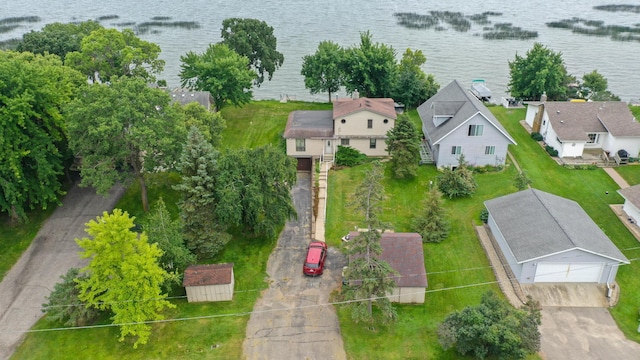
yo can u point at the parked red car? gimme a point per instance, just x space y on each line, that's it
316 254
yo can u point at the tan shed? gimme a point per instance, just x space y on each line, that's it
213 282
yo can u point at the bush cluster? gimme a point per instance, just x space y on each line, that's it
348 156
551 150
536 136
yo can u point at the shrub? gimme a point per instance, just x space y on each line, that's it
536 136
348 156
484 216
551 150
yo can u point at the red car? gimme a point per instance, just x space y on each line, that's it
316 254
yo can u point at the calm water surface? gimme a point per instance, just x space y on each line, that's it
301 25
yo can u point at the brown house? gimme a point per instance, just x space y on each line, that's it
214 282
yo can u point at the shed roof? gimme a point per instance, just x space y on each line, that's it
381 106
305 124
209 274
404 253
459 105
536 224
632 195
184 97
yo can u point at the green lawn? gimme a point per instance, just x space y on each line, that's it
631 173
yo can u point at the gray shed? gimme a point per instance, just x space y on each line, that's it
549 239
213 282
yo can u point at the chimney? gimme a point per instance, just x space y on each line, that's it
355 95
543 98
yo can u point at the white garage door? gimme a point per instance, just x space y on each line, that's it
573 272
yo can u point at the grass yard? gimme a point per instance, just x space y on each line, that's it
631 173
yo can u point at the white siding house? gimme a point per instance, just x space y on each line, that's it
631 205
213 282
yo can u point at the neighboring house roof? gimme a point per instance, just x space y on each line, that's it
212 274
347 106
404 253
632 195
455 105
305 124
573 121
184 97
536 224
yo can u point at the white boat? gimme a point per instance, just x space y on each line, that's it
480 90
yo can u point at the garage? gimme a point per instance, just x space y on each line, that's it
568 272
304 164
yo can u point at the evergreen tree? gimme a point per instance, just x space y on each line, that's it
369 279
432 224
521 180
202 233
64 303
403 144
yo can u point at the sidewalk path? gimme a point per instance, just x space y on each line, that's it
616 177
50 255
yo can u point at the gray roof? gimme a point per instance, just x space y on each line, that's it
536 224
306 124
632 195
184 97
572 121
460 105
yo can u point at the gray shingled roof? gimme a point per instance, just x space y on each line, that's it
306 124
537 224
185 96
456 101
632 195
404 253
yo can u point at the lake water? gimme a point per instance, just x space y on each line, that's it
300 25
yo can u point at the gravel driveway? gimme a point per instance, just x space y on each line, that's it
51 254
289 320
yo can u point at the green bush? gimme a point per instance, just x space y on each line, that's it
551 150
348 156
484 216
536 136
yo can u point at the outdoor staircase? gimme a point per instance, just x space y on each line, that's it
425 154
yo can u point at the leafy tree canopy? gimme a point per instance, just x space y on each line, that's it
541 71
108 53
322 71
220 71
33 144
254 39
123 130
459 182
370 68
57 38
412 85
403 144
595 87
209 123
123 274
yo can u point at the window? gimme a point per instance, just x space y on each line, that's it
344 142
300 146
475 130
372 143
593 138
456 150
343 121
489 150
370 124
386 121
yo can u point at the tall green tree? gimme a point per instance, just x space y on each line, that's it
254 190
370 68
202 233
220 71
457 182
541 71
412 85
122 131
369 279
211 124
595 87
57 38
33 144
108 53
322 71
493 329
123 275
64 304
403 144
431 223
254 39
161 229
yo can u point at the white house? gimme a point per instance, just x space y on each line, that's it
631 205
573 127
213 282
547 238
455 122
361 123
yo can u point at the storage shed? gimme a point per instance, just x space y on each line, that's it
212 282
549 239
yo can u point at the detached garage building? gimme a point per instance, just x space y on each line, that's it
549 239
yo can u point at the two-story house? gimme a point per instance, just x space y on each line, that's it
361 123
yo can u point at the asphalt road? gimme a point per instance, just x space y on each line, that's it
289 320
50 255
